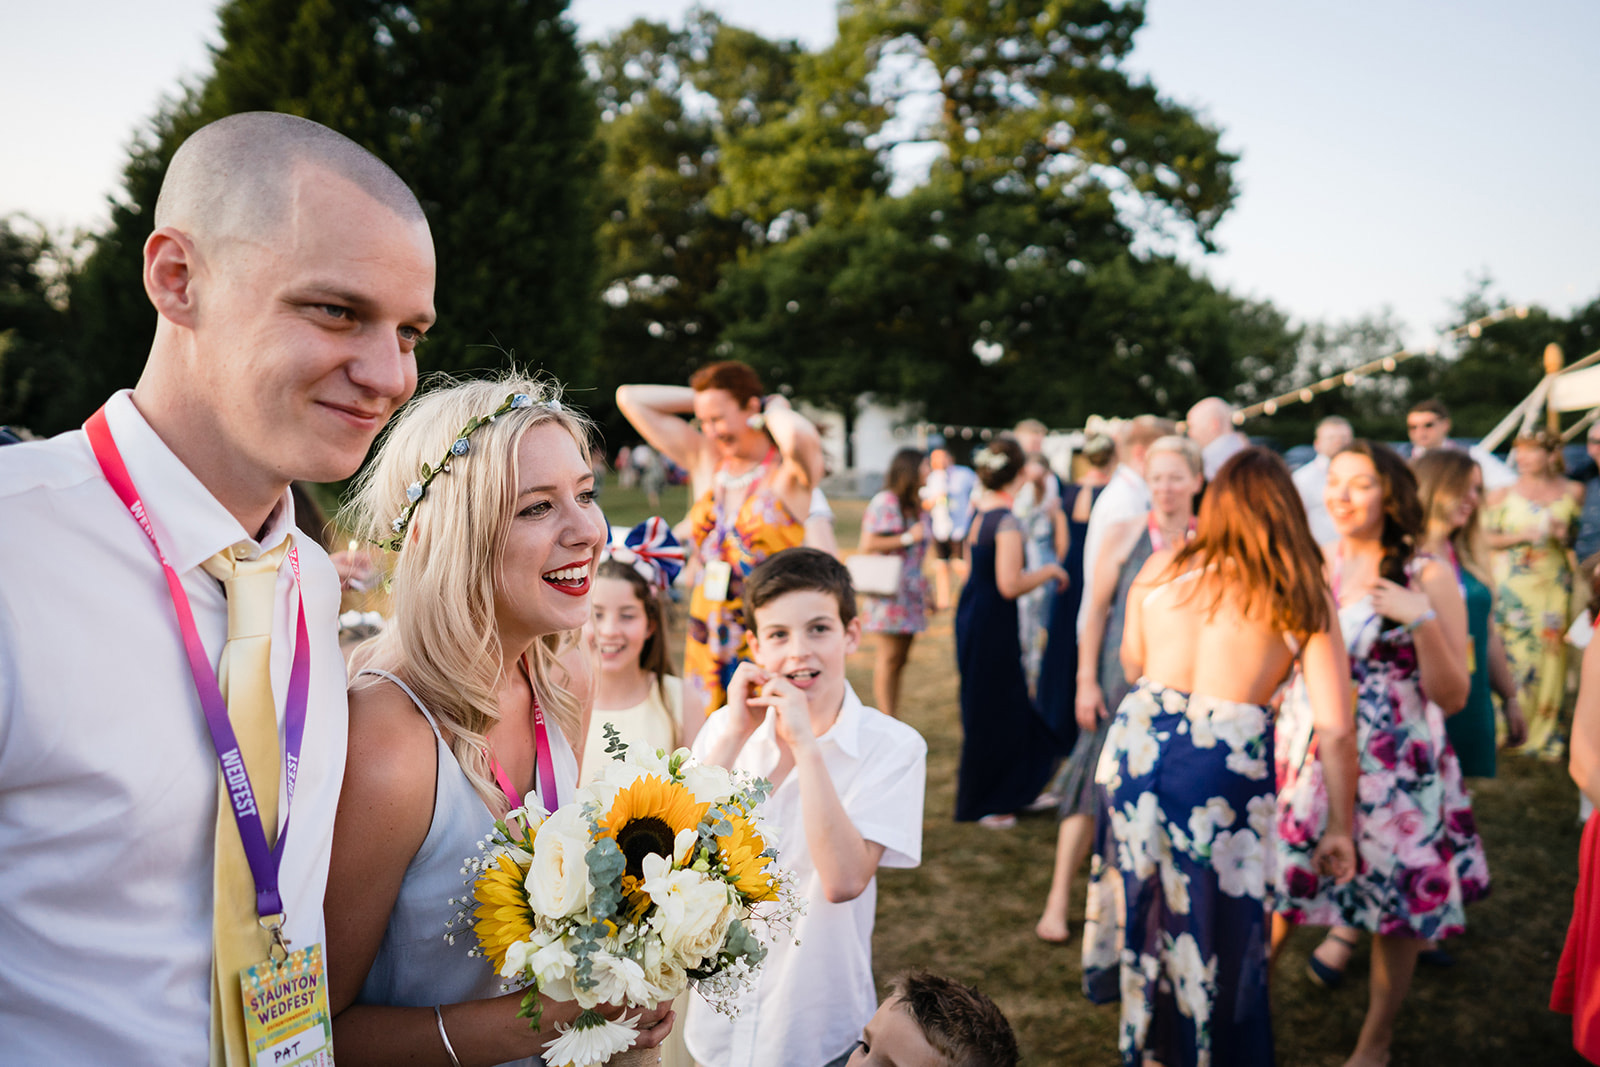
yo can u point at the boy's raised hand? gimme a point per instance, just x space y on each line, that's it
747 681
793 725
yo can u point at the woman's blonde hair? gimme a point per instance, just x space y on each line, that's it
1182 447
443 638
1444 478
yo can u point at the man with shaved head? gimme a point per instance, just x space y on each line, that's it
147 772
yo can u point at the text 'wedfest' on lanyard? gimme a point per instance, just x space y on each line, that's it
264 861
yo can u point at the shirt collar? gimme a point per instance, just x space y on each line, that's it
846 729
191 525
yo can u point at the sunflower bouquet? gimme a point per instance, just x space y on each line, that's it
648 881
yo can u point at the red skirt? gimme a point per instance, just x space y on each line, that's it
1577 988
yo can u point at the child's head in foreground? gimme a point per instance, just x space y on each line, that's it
802 613
929 1021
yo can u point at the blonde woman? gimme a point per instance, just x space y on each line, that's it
464 708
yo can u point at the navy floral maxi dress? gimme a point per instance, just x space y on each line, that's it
1179 893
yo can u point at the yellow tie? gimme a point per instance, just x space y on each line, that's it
245 676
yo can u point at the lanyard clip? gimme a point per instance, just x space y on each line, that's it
273 925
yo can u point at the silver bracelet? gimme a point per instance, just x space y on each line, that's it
448 1048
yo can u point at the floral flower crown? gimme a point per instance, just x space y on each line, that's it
458 448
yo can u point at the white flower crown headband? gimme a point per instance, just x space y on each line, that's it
458 448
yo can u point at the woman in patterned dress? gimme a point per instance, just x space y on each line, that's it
760 459
1532 523
1213 629
1405 626
894 524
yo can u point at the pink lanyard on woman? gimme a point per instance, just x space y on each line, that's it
1158 540
545 766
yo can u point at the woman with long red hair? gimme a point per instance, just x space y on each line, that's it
1214 627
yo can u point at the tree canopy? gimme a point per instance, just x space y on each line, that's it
971 208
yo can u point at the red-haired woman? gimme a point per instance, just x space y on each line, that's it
1405 627
760 459
1213 628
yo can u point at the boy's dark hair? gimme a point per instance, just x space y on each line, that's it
799 569
961 1024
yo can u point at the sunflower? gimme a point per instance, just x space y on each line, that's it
504 917
741 851
644 819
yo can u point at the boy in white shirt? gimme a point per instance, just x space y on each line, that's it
847 798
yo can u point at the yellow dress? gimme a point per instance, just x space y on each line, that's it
656 722
716 642
1533 608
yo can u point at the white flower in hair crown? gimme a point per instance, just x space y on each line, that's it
458 448
991 459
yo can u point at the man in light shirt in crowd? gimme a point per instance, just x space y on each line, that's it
1210 425
1333 436
1428 427
292 275
1126 496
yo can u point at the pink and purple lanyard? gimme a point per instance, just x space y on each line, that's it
264 861
545 781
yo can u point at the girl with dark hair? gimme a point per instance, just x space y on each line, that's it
894 524
1213 628
1006 751
754 460
1405 627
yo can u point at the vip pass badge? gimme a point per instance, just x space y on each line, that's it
286 1017
458 448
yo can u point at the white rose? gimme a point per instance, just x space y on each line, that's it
1195 978
558 880
693 912
709 784
663 972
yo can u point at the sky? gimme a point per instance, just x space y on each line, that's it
1390 152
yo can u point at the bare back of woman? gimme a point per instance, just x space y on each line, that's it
1190 633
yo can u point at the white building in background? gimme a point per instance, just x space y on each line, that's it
881 430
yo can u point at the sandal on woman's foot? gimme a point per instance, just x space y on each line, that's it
1323 974
998 822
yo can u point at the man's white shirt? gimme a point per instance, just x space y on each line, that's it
1125 497
1309 481
108 778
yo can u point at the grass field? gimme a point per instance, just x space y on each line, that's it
969 910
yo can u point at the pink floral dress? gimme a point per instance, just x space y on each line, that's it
1419 858
906 612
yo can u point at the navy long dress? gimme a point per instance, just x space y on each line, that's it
1058 676
1006 751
